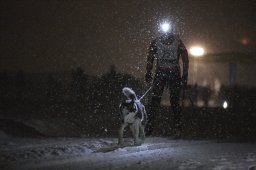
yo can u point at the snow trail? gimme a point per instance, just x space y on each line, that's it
156 153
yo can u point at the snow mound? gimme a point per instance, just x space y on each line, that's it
102 153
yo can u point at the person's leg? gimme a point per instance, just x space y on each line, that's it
157 91
175 88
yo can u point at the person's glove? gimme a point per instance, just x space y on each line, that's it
184 80
148 77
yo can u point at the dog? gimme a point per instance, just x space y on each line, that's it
132 114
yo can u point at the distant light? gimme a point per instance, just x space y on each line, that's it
165 27
225 105
197 51
245 41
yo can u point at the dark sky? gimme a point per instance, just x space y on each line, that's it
58 35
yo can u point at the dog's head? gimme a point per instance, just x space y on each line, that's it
129 93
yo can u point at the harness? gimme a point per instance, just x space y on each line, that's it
136 108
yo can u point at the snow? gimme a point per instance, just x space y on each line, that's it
3 135
104 153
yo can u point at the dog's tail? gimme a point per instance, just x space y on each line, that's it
129 93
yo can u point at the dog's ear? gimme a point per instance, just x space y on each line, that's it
132 96
132 102
129 93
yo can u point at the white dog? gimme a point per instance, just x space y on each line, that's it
132 113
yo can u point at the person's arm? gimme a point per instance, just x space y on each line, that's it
184 56
150 60
151 55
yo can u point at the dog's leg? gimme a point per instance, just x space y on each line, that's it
121 133
142 133
136 131
132 128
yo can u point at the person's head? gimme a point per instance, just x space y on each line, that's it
167 37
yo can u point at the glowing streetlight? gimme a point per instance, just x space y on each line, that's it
165 27
225 105
197 51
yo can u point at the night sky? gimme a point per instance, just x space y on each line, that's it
58 35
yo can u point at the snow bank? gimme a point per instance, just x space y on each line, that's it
3 135
102 153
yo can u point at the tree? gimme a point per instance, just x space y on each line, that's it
53 87
206 94
78 84
4 85
19 85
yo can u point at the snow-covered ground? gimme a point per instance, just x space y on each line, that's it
104 153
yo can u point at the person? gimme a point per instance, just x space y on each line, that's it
166 49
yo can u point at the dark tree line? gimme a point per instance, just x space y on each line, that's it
106 89
76 87
91 102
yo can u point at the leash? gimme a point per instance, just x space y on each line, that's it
148 90
145 93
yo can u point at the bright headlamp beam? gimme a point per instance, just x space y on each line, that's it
165 27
